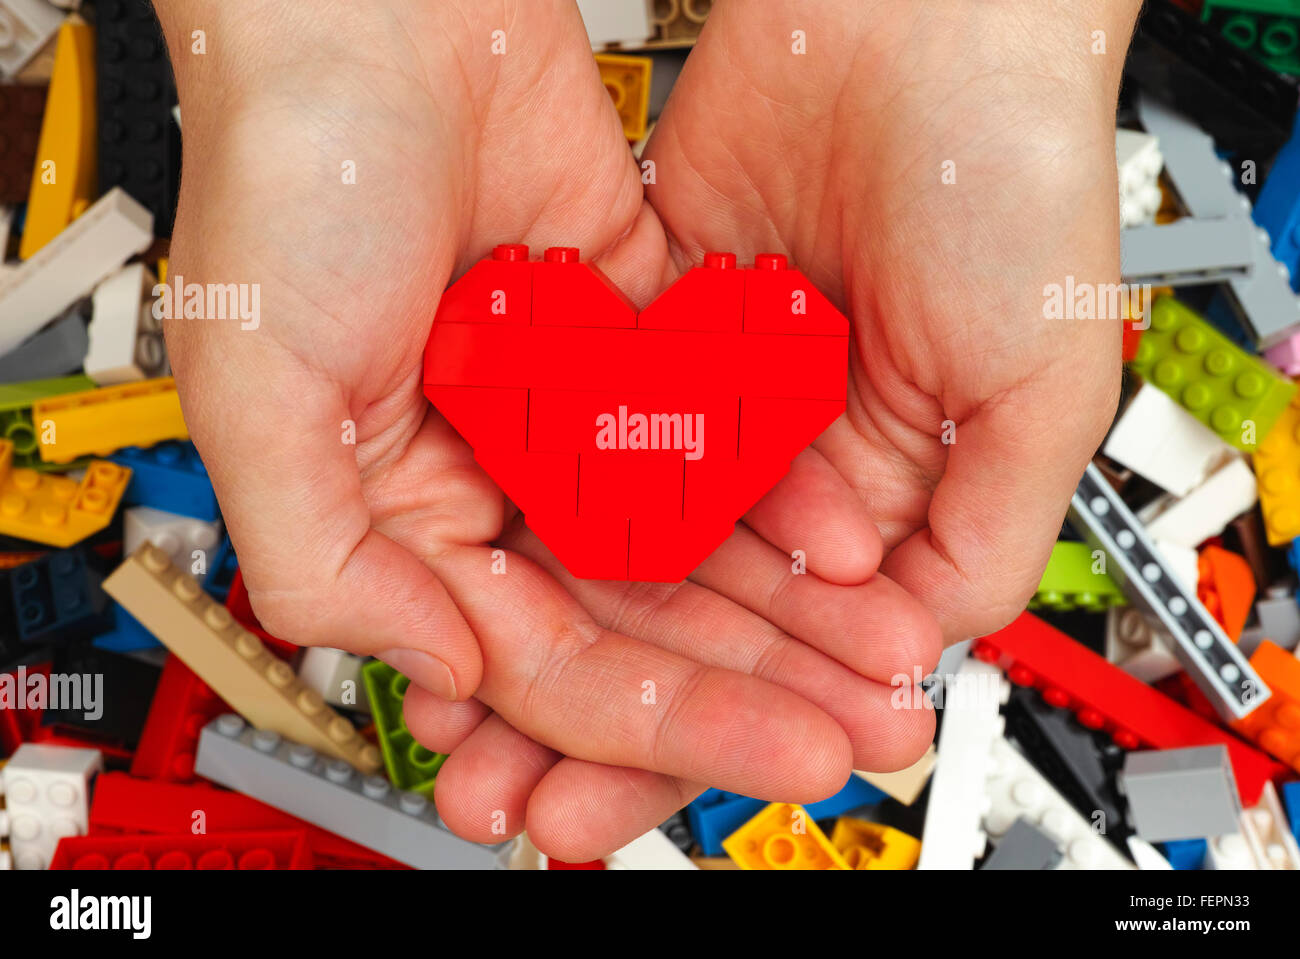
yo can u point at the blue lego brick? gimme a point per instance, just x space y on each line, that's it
222 571
58 598
1185 853
1291 798
715 815
1277 208
127 635
1293 554
169 477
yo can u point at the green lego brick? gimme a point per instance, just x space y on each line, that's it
1211 377
410 766
1269 30
16 401
1069 582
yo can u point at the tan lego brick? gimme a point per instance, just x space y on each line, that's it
905 784
234 662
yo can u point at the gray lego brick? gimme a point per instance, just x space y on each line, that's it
1208 655
1181 793
1188 252
1024 846
331 794
1264 300
1279 619
57 350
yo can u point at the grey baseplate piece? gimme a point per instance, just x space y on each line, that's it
1264 300
1181 793
1209 656
1024 846
331 794
1188 252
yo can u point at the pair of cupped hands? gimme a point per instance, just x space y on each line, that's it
930 166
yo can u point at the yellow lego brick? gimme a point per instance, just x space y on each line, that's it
230 659
1277 470
870 845
56 510
782 836
628 81
101 421
63 180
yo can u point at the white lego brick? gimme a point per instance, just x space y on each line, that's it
1265 829
177 536
47 794
654 850
1139 645
67 268
336 675
1190 520
1146 855
1015 788
1182 563
623 22
125 339
1230 852
25 27
524 855
952 838
1160 440
1138 158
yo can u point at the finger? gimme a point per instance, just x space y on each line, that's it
1001 501
877 628
441 724
483 787
812 509
582 811
601 696
887 730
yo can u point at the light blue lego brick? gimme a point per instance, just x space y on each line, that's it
1185 853
128 634
169 477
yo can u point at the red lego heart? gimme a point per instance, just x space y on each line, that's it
633 442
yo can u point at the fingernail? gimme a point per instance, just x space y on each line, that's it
423 669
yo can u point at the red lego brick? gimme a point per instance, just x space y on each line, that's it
1104 697
556 864
623 484
758 355
779 299
230 850
707 298
499 290
182 705
1132 340
568 292
1226 586
1275 724
124 804
497 417
242 610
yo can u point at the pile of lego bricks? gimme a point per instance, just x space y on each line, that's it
1140 716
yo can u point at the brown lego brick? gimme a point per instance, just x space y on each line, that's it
21 110
230 659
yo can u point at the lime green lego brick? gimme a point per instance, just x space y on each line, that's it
20 396
1070 583
1211 377
1269 30
410 766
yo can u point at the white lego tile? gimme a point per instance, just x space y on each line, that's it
1015 788
1138 158
654 850
952 838
336 675
125 342
1190 520
67 268
177 536
1160 440
47 795
25 27
623 22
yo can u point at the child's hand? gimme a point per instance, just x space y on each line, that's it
763 682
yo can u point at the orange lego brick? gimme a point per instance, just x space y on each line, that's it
57 510
1275 725
107 419
782 836
627 80
1226 586
1277 469
869 845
